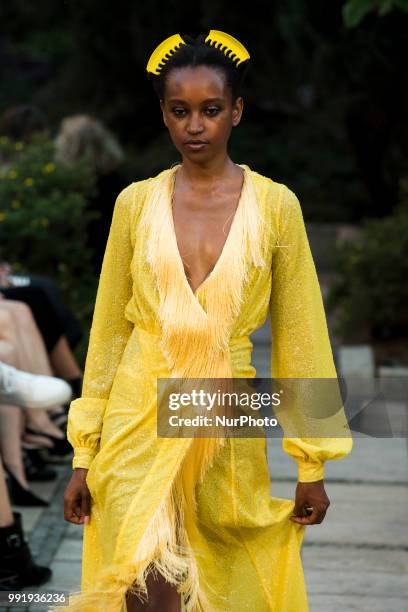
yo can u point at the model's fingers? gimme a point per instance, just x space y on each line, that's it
70 515
86 506
317 516
71 510
299 505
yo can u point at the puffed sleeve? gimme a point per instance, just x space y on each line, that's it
301 346
109 334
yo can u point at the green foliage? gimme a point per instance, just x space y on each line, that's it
372 288
43 217
354 11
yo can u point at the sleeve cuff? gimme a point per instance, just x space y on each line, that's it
310 471
83 458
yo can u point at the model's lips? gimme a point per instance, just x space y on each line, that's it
196 144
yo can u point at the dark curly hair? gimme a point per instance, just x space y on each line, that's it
196 52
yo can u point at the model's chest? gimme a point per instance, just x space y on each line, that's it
201 232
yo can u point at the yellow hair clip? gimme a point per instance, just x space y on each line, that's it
229 45
225 43
163 52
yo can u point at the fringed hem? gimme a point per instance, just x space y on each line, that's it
164 548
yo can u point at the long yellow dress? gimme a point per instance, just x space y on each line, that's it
199 512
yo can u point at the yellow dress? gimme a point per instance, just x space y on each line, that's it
199 512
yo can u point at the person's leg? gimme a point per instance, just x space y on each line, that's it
162 597
24 335
41 310
63 360
18 330
6 513
71 327
49 326
11 418
11 426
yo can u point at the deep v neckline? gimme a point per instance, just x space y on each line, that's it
226 244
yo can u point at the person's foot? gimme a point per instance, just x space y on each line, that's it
39 422
17 567
31 390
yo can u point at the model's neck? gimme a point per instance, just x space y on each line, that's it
207 172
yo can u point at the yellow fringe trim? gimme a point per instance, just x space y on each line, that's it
195 342
192 337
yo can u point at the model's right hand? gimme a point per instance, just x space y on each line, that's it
77 499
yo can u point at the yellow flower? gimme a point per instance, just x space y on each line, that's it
15 204
4 140
50 167
18 146
2 216
12 174
29 181
45 222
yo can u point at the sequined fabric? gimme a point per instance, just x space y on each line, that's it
245 548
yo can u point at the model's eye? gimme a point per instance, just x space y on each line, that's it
178 111
212 110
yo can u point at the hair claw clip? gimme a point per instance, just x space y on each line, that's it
163 52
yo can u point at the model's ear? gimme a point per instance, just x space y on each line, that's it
163 112
237 109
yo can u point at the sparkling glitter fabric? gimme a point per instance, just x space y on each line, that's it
218 535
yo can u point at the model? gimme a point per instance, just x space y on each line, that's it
196 258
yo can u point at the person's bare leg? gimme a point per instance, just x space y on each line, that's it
13 354
11 423
31 356
6 513
61 357
30 342
63 360
24 334
162 597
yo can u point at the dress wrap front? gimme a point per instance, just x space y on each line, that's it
199 511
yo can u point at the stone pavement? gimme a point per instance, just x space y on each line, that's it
356 560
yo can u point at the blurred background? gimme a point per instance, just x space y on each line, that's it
325 113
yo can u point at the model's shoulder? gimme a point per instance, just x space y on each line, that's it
140 188
277 195
133 190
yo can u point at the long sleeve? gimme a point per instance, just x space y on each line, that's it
109 333
301 346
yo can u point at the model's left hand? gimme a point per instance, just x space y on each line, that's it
310 494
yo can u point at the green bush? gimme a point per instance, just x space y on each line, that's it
372 289
354 11
44 217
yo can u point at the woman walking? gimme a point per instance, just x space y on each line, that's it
196 258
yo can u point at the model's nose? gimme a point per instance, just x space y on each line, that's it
195 125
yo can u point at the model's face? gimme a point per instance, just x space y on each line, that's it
199 112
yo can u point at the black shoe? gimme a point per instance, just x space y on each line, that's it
19 495
17 567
